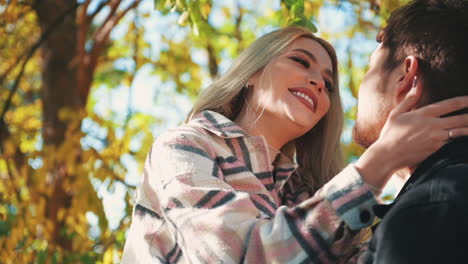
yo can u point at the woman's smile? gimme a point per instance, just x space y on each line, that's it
306 96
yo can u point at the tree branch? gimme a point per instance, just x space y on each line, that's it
237 31
83 21
10 177
108 168
100 38
113 5
212 63
81 55
136 49
86 5
101 35
13 66
98 9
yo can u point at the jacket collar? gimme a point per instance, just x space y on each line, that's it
223 127
218 124
454 151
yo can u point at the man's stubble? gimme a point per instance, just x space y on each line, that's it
367 134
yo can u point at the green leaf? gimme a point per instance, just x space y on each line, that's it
5 228
311 26
292 12
288 3
298 8
304 22
159 4
41 257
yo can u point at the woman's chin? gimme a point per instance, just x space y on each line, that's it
303 124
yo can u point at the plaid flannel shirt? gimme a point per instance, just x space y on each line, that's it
210 194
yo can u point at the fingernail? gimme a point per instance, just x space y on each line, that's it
415 81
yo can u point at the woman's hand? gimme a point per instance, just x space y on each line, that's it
409 137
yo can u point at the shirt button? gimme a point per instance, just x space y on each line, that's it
365 216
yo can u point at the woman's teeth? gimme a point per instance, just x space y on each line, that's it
305 97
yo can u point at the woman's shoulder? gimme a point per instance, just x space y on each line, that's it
206 126
189 132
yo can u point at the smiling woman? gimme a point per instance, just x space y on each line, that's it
245 179
276 67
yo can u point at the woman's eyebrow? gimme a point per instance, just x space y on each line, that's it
306 52
314 59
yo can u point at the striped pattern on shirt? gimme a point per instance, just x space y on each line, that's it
210 194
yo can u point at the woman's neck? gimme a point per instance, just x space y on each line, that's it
274 132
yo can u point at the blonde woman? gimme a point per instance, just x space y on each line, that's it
245 179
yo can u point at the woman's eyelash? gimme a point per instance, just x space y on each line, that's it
329 86
306 64
300 61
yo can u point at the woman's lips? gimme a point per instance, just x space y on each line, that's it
306 96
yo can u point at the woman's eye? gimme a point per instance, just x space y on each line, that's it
300 61
329 86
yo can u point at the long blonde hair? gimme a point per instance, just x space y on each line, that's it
318 151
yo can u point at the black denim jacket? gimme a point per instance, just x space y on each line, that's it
428 222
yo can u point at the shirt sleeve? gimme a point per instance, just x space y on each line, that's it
215 223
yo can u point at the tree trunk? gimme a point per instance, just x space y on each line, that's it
59 91
59 84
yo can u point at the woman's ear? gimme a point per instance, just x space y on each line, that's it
409 82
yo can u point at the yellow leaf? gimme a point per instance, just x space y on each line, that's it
3 213
205 10
108 256
9 148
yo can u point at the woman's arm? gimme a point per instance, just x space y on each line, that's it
216 223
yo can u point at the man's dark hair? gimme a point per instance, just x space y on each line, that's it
435 32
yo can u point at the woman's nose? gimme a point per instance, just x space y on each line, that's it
318 84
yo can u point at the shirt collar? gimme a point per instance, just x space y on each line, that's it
223 127
218 124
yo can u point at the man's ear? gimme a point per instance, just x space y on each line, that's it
409 79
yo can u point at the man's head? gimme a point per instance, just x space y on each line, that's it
427 39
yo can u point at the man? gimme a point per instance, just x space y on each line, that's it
424 46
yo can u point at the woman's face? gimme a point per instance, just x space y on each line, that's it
295 87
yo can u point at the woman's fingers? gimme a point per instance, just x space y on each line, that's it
458 132
409 101
457 121
445 107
